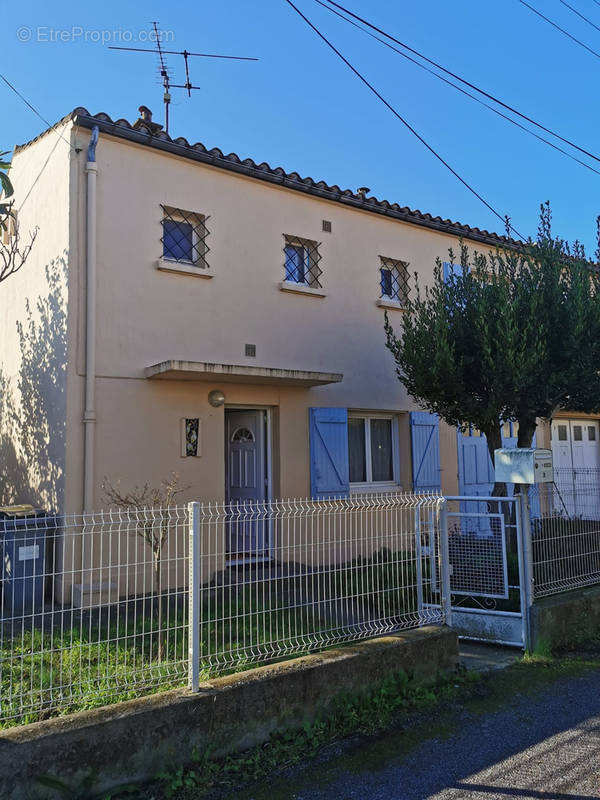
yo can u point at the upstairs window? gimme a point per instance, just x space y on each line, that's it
393 277
184 237
302 262
452 271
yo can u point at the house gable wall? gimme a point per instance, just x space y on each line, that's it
33 357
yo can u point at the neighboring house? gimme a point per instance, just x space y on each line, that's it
185 310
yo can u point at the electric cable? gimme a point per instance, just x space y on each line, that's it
562 30
460 89
466 82
504 219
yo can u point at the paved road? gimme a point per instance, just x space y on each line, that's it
544 746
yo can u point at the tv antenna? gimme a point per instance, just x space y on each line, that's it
164 69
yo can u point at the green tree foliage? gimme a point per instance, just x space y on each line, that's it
515 335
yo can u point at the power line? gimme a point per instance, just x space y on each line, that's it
562 30
49 125
32 107
579 14
503 219
465 82
460 89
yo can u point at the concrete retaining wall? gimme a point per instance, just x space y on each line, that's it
566 620
132 741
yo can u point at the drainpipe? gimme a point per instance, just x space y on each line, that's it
89 414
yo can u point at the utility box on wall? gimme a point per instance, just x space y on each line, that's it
523 465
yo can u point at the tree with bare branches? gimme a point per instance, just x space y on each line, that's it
152 524
13 251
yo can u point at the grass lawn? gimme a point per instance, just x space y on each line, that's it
70 660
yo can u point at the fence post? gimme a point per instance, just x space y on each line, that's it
419 557
445 564
194 598
525 563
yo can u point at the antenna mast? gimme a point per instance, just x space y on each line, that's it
164 74
164 70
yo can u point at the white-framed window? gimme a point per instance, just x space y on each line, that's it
373 458
301 263
183 237
393 279
452 271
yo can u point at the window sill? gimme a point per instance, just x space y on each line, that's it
375 488
164 265
385 303
300 288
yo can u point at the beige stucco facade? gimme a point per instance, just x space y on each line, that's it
147 315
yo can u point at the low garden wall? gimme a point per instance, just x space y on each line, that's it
134 740
567 620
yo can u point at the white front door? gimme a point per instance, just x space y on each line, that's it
576 451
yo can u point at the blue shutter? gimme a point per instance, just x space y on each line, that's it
425 441
475 469
328 453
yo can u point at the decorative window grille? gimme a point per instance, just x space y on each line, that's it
184 237
327 225
302 261
393 279
190 430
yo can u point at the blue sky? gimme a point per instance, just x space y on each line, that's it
301 108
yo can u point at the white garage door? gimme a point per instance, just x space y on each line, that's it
576 451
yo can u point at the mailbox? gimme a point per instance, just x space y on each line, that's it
523 465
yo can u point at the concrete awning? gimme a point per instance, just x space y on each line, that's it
235 373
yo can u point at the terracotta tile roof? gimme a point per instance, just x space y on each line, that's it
263 171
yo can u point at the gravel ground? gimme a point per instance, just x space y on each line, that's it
543 746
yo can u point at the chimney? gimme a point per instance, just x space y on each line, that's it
145 121
363 191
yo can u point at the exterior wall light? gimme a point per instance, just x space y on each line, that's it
216 398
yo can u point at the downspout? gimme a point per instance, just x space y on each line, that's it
89 414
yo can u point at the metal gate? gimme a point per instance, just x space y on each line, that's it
490 584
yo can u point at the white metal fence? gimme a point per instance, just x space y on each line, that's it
565 531
93 609
96 608
105 606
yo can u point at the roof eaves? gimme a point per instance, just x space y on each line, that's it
67 118
277 175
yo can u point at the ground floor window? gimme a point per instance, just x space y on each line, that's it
372 449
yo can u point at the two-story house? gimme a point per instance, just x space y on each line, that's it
188 311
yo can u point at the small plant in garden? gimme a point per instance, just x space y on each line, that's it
152 528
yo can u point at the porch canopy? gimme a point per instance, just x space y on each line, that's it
235 373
